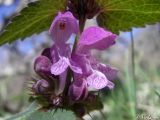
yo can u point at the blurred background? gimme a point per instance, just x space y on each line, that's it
140 89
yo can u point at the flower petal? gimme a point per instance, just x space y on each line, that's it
96 38
75 68
62 82
78 90
110 85
63 26
97 80
60 66
110 73
82 61
62 50
42 64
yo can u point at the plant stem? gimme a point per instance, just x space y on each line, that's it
133 71
82 24
132 56
68 82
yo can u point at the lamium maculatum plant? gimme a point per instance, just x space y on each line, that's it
70 76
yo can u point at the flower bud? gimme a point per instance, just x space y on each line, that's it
40 86
42 65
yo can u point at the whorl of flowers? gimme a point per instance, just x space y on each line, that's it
69 76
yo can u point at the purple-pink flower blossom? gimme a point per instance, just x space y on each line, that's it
86 71
94 38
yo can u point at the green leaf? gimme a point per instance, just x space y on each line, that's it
33 113
35 18
122 15
31 109
52 115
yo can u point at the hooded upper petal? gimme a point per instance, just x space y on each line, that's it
42 64
96 38
63 26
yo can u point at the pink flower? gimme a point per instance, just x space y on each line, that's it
96 74
84 66
87 71
58 56
61 29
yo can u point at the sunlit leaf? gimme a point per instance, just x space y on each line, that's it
33 19
122 15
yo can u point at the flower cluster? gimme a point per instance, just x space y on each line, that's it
68 74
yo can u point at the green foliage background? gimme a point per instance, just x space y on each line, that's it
116 15
122 15
35 18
